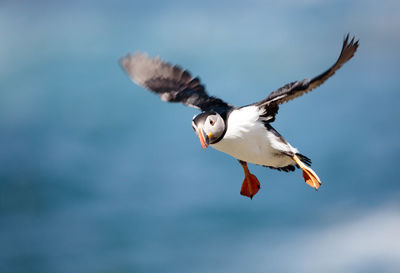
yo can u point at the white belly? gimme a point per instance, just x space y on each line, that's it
247 139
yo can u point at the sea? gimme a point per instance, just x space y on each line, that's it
99 175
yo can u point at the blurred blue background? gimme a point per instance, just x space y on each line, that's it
98 175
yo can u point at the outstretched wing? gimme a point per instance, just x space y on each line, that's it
171 83
295 89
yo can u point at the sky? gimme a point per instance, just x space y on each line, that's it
99 175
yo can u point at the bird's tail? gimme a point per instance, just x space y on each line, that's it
309 176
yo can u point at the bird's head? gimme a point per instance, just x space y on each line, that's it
209 127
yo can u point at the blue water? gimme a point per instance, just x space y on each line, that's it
98 175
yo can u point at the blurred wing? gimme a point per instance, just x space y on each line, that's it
295 89
171 83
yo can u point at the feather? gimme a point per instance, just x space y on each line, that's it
290 91
171 83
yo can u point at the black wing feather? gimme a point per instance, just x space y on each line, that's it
171 83
295 89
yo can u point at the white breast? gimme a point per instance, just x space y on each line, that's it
247 139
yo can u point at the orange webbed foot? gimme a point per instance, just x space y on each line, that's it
309 176
250 186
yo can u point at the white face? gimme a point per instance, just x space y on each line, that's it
208 128
214 126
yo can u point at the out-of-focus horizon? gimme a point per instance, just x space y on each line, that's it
99 175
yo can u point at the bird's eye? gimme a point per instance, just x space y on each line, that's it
211 122
193 128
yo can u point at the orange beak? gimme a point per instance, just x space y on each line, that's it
203 138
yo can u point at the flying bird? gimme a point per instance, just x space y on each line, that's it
243 132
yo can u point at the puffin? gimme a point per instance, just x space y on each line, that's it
243 132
